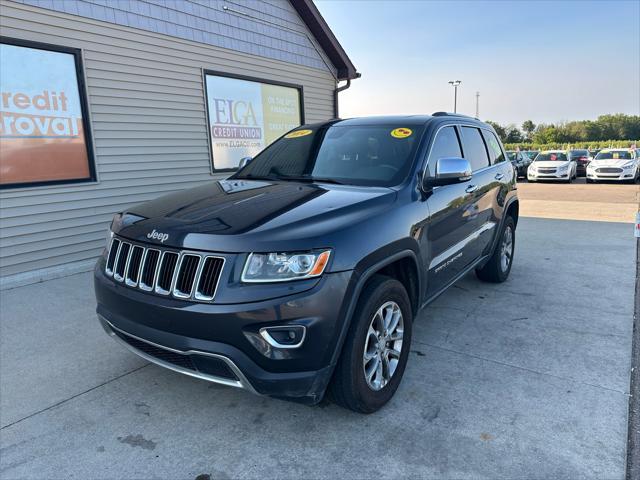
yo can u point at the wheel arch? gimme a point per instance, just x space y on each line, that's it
390 265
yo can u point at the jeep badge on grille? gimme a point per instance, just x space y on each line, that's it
158 236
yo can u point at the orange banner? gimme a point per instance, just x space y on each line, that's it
36 148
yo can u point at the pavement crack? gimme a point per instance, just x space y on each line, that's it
61 402
530 370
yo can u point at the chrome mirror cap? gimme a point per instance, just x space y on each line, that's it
449 170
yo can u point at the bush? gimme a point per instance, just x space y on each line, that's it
570 146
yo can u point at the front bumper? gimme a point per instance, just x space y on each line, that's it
215 342
547 176
624 176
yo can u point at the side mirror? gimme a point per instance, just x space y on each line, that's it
450 170
244 162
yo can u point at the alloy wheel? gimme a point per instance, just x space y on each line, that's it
506 249
383 345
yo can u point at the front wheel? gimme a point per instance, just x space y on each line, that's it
497 269
376 349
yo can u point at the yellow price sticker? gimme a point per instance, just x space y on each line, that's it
298 133
401 132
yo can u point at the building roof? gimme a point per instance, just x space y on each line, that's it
320 29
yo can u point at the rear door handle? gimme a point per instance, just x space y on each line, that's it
499 176
471 188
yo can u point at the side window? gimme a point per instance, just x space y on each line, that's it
496 155
474 148
446 144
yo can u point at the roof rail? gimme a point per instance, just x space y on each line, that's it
449 114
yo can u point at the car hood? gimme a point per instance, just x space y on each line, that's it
550 163
243 216
610 162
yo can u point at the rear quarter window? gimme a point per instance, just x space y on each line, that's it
496 155
474 149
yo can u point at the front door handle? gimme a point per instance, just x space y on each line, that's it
499 176
471 188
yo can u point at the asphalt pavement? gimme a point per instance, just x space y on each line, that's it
529 378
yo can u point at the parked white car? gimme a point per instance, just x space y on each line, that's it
552 165
614 164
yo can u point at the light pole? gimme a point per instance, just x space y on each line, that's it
454 84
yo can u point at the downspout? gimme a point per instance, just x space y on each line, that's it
335 96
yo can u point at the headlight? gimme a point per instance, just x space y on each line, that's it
283 267
563 169
628 166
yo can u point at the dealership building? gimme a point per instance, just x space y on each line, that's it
104 104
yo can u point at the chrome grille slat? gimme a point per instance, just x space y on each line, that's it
166 272
112 256
150 259
185 275
208 278
122 261
134 266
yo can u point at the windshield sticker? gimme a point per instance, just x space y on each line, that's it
298 133
554 157
401 132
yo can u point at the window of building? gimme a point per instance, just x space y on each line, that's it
44 134
496 155
474 148
247 114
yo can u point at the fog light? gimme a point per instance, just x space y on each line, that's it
284 337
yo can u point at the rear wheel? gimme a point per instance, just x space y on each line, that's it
497 269
376 350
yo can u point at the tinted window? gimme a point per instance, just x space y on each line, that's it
614 155
495 151
474 149
357 155
551 157
445 145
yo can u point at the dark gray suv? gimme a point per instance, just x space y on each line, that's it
302 273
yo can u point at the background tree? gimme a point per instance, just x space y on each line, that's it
528 127
500 130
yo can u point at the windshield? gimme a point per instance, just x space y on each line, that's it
512 155
579 153
551 157
615 155
356 155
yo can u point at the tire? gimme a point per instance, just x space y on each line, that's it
494 270
349 387
589 180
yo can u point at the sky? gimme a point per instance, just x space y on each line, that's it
546 61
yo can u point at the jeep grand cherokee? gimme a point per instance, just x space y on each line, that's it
302 273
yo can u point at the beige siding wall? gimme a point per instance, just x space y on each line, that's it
147 105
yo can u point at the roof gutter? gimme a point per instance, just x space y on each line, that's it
311 16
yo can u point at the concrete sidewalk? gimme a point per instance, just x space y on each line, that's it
525 379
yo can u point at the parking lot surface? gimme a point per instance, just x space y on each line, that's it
607 202
529 378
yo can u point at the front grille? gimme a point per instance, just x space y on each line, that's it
547 170
208 282
608 170
184 275
211 365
